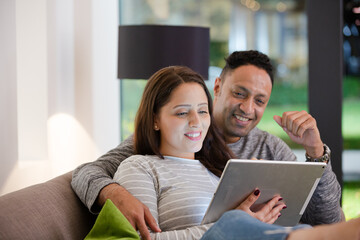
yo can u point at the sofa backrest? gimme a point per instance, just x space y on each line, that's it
49 210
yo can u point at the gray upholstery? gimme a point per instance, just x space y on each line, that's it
49 210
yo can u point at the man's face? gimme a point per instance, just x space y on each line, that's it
240 100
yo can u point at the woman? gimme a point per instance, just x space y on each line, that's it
180 156
173 127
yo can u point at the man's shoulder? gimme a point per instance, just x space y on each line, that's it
260 144
129 141
122 151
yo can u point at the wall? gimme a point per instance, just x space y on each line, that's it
8 101
59 94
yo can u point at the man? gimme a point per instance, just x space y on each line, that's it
241 95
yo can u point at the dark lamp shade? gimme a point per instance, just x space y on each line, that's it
144 49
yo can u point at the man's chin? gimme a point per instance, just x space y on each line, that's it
242 132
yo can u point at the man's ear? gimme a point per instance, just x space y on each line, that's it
217 86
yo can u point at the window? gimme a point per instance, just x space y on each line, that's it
278 29
275 28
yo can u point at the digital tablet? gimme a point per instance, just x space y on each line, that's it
295 182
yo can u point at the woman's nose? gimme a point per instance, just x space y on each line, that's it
194 120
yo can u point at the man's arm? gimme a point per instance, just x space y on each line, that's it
324 206
90 178
93 183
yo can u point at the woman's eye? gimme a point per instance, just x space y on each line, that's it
203 112
181 113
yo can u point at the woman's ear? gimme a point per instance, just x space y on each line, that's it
156 123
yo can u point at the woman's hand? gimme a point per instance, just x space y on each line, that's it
268 212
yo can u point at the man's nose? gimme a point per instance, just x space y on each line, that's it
247 106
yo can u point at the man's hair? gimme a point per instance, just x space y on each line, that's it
251 57
157 93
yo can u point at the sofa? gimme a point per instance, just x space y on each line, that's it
49 210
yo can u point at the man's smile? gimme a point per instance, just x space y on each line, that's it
241 118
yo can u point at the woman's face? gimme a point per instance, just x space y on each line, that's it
184 121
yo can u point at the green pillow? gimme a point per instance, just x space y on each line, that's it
111 224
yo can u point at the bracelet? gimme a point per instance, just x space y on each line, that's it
324 158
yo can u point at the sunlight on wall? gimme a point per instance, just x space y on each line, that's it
49 60
69 145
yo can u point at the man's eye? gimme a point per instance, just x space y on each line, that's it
259 101
239 94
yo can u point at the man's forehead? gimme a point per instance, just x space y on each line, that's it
262 92
248 73
258 83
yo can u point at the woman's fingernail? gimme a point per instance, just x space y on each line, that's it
257 192
279 215
280 198
284 207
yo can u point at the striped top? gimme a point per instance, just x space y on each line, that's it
177 191
324 206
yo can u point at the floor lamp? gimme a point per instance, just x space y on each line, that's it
144 49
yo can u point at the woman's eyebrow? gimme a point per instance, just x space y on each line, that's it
182 105
189 105
203 104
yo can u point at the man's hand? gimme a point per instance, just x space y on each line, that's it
136 213
267 213
302 129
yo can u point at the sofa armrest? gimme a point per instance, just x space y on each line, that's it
49 210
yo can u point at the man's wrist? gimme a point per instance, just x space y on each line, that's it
315 151
106 193
325 157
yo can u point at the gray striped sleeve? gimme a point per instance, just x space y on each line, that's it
324 207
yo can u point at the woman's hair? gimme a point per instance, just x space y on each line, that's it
214 152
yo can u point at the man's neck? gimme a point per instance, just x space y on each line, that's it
230 140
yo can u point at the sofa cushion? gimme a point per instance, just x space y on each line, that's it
49 210
111 224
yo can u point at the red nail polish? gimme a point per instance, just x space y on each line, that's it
279 215
257 192
284 207
280 198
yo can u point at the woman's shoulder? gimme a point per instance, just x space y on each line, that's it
140 159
